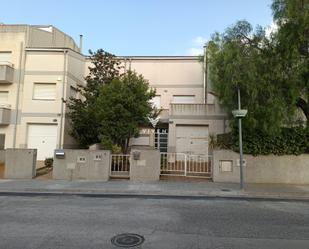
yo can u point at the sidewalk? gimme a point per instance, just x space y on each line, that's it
162 189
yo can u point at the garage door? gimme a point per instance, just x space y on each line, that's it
43 138
192 140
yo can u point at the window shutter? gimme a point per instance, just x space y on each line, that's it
5 57
44 91
4 95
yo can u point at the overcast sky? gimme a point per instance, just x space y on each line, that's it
138 27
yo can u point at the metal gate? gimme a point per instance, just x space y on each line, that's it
120 165
180 164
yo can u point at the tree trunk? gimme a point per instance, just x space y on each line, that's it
125 146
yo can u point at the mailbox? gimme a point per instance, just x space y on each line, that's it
59 153
136 155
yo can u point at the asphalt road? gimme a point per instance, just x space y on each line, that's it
83 222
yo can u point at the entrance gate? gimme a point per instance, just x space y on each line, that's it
120 166
181 164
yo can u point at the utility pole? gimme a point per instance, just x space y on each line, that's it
239 114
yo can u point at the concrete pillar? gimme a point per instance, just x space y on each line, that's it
20 163
145 165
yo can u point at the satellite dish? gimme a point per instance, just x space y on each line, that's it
154 121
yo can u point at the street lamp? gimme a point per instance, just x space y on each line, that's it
239 114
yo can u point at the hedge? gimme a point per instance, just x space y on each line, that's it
288 141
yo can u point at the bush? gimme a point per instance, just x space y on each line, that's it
49 162
288 141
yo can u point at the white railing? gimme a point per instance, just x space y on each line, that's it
120 164
173 163
180 164
198 164
188 109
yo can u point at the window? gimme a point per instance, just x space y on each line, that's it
73 92
4 96
44 91
156 101
183 99
5 56
2 141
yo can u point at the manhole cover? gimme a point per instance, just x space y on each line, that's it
127 240
225 190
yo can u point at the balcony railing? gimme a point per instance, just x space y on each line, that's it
5 114
194 110
6 73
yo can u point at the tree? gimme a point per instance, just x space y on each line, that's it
123 106
292 44
83 112
245 59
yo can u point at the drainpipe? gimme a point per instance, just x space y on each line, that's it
205 66
65 53
22 61
81 44
130 60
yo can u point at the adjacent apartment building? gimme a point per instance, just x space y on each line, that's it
40 68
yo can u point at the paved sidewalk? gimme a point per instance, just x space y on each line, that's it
174 189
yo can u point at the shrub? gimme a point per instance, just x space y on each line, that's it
288 141
49 162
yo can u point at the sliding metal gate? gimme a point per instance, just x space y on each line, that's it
180 164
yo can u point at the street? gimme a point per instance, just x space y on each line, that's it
88 222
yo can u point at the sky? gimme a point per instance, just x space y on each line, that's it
138 27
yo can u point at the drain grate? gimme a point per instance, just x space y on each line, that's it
127 240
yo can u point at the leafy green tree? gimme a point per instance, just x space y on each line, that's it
243 58
272 73
83 112
123 106
292 45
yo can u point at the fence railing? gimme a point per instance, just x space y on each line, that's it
173 163
180 164
120 164
198 164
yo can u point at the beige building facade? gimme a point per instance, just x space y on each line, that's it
40 68
190 112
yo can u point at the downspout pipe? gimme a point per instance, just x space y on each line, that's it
65 54
205 67
22 61
81 44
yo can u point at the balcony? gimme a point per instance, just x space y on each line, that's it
5 114
177 110
6 73
188 109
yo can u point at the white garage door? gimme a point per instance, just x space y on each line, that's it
43 138
192 140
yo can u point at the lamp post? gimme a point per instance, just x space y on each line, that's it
239 114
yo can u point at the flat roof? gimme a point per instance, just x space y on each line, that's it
151 57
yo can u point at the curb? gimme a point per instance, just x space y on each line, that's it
153 196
